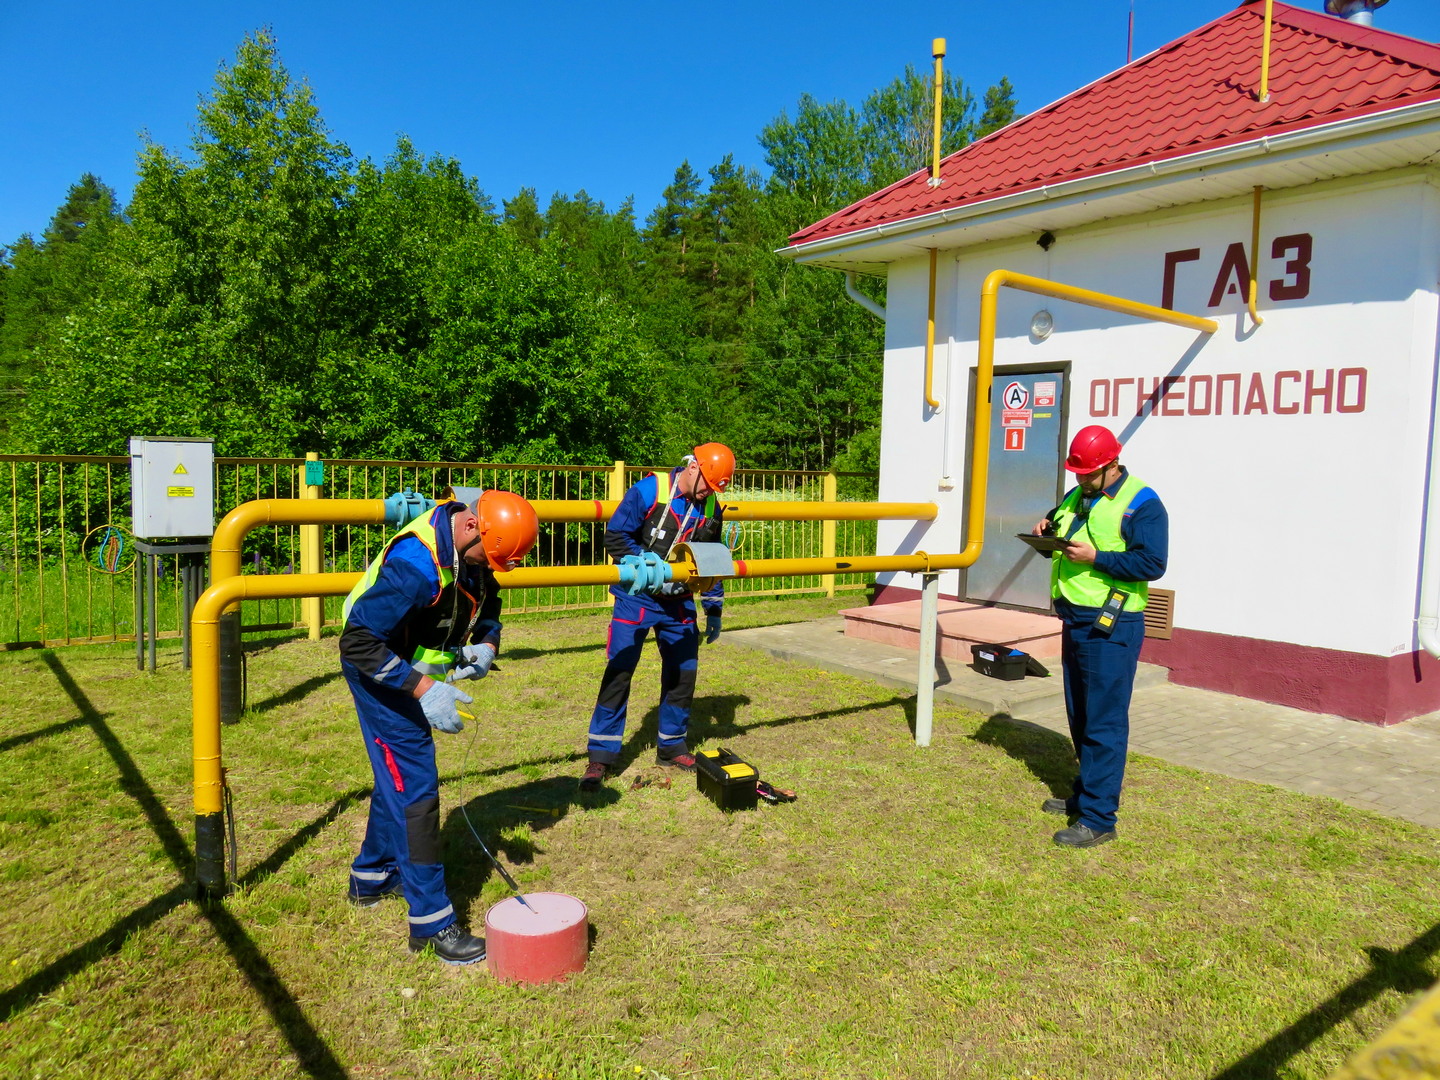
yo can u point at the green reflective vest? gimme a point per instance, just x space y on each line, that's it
431 657
1085 586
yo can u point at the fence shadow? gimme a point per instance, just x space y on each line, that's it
312 1053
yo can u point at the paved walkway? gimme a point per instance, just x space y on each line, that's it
1393 771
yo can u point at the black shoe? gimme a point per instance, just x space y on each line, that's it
1082 836
684 761
369 900
594 773
452 946
1057 806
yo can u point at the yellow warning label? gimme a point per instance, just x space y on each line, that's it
180 469
180 492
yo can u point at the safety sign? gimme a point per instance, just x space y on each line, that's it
1014 438
1014 418
1044 395
1016 396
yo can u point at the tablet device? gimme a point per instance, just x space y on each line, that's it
1043 543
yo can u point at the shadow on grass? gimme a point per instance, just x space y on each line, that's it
1048 756
1404 972
538 804
311 1051
43 733
295 693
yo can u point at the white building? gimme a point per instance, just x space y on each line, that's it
1294 456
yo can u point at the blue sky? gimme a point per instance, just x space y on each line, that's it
559 96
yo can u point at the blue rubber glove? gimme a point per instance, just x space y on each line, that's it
712 628
659 571
474 662
439 704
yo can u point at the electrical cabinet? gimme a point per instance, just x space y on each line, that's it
172 488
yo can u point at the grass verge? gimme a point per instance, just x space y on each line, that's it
906 917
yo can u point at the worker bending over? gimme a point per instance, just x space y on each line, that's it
427 608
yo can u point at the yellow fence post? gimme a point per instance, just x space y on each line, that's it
617 482
312 608
828 488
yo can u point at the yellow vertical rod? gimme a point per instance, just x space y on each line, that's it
828 491
937 50
930 398
312 607
1255 255
1265 53
617 482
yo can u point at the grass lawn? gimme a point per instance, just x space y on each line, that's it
906 917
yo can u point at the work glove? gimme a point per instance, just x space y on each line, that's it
440 704
474 662
712 628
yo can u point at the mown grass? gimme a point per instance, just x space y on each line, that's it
907 917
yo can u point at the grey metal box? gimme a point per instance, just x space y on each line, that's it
172 488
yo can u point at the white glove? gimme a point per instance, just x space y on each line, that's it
475 661
440 705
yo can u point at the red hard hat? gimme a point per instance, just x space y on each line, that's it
717 465
1092 448
508 527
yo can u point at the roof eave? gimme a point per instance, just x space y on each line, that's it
1305 139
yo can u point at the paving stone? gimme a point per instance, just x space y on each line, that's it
1393 770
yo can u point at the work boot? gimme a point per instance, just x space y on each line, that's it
1082 836
684 761
452 946
594 773
369 900
1058 806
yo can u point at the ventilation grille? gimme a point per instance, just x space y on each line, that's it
1160 614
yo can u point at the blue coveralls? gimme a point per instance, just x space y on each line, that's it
402 835
1099 671
638 525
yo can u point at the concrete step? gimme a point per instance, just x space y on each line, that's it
959 626
825 644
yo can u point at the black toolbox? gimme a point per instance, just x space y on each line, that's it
1003 662
726 780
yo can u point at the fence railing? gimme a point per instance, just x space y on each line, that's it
67 555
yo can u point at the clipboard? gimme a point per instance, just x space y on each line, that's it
1043 544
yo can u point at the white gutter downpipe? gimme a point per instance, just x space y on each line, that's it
860 298
1428 623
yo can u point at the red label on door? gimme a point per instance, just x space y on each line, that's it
1015 438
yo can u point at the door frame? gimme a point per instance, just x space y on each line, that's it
1060 367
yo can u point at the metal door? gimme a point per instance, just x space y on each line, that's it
1025 466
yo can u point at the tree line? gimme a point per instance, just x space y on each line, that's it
271 292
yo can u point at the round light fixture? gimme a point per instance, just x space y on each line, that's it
1041 324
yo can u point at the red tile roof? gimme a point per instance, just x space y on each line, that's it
1197 93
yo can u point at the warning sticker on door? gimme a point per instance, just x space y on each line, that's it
1044 395
1015 418
1015 438
1017 396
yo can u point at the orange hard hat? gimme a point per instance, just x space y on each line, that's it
1093 448
508 527
717 464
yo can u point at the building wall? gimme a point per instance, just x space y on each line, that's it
1292 456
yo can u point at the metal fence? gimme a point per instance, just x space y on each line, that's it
68 566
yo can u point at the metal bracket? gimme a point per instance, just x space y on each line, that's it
711 562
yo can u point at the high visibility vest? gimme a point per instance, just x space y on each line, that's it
661 528
1083 585
436 639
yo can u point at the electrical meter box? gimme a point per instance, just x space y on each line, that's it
172 488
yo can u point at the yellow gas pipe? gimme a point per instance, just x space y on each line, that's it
1264 94
1255 255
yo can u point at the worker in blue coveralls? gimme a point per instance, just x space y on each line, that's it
658 512
425 616
1116 537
